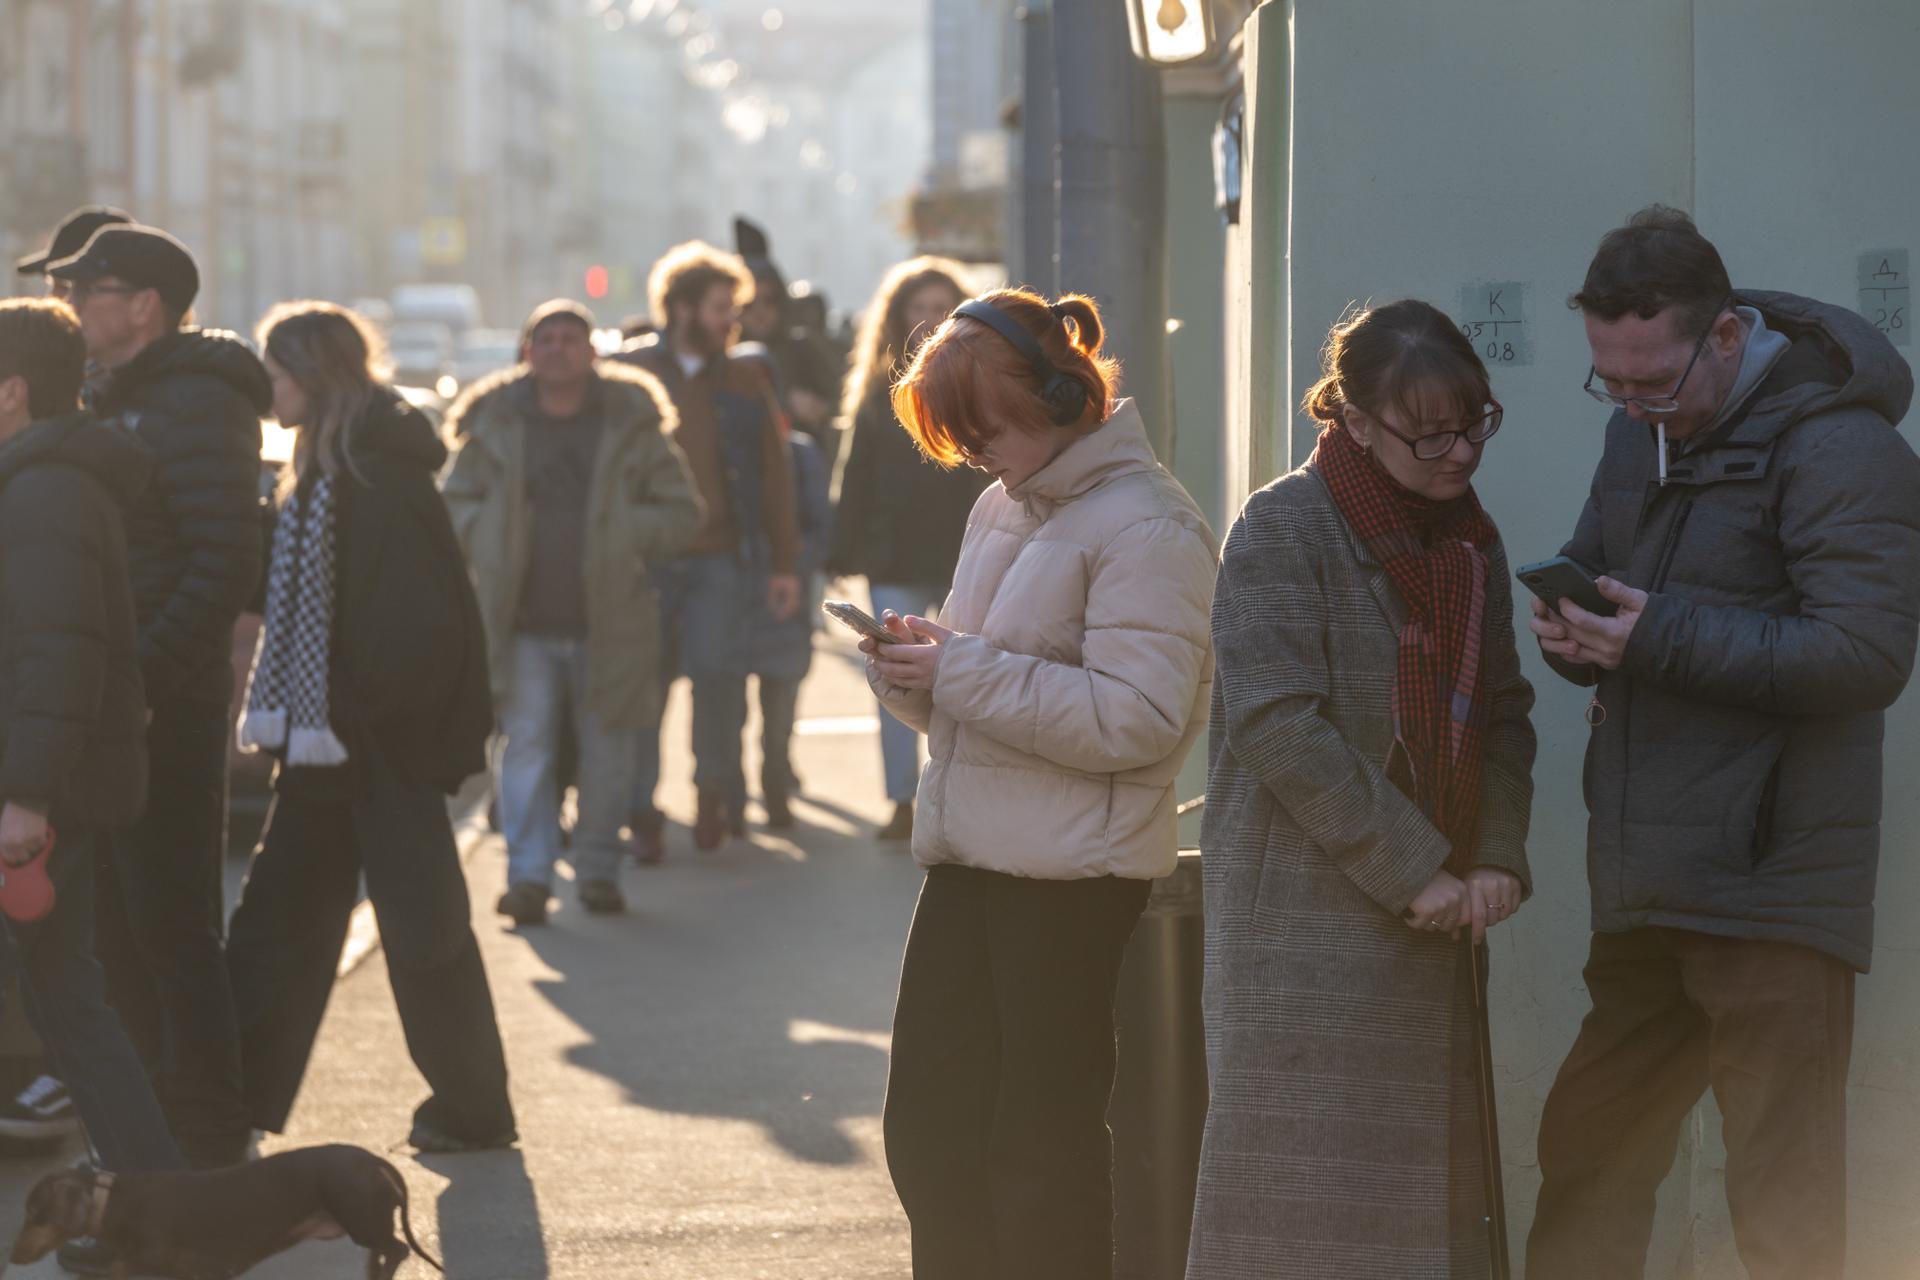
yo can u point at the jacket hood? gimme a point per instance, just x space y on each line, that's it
110 455
212 353
622 387
1118 448
1836 360
395 431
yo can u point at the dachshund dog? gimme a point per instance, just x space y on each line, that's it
216 1225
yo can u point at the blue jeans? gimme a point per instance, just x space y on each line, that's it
899 744
723 602
549 692
67 1002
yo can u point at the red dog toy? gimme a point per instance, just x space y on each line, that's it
26 892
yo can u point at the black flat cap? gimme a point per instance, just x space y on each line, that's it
144 257
72 236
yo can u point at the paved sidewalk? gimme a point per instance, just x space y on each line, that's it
698 1082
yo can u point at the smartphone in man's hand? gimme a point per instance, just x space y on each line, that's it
1563 579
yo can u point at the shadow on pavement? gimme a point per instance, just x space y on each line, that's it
743 984
489 1217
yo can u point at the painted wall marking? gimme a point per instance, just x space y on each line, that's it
1886 292
1497 318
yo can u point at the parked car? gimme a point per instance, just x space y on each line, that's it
485 351
422 353
456 306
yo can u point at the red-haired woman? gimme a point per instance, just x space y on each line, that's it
898 518
1059 699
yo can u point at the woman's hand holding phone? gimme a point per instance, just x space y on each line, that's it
911 660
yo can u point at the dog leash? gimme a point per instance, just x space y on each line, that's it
102 1189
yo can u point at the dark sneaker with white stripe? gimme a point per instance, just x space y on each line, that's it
41 1113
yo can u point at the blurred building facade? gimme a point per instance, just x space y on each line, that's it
974 93
340 148
826 130
224 122
636 115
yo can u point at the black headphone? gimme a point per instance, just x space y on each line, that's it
1064 395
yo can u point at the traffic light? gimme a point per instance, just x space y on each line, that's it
596 282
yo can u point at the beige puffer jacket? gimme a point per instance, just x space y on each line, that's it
1079 679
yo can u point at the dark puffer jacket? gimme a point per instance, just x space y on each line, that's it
409 656
898 518
73 718
1733 787
195 399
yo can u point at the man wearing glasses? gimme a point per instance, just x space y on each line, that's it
195 399
68 239
1755 519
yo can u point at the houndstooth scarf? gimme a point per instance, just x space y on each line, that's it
287 701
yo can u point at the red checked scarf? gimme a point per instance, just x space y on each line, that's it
1434 552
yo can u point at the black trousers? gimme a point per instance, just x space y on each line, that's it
326 827
1003 1062
159 913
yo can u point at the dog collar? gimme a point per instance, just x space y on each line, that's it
102 1188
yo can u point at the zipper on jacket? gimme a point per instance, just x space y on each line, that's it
1671 546
1763 820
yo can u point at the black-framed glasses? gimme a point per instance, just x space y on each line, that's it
1438 444
1670 402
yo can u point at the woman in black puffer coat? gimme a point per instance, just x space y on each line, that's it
898 518
370 687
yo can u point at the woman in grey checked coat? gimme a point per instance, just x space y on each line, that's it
1346 862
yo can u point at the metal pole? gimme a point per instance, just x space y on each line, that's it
1113 202
1500 1265
1032 261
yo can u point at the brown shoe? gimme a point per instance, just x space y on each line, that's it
901 825
710 821
524 903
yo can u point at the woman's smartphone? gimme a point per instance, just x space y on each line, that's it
1562 579
858 620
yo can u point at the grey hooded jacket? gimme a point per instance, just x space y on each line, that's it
1733 786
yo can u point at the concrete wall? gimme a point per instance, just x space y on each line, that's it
1472 154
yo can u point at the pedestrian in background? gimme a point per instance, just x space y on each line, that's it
39 1107
1061 695
783 650
808 370
73 739
369 688
194 398
1367 807
69 238
898 516
741 574
568 495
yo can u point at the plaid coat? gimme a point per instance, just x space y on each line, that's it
1343 1136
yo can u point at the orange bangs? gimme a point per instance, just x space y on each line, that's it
967 383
